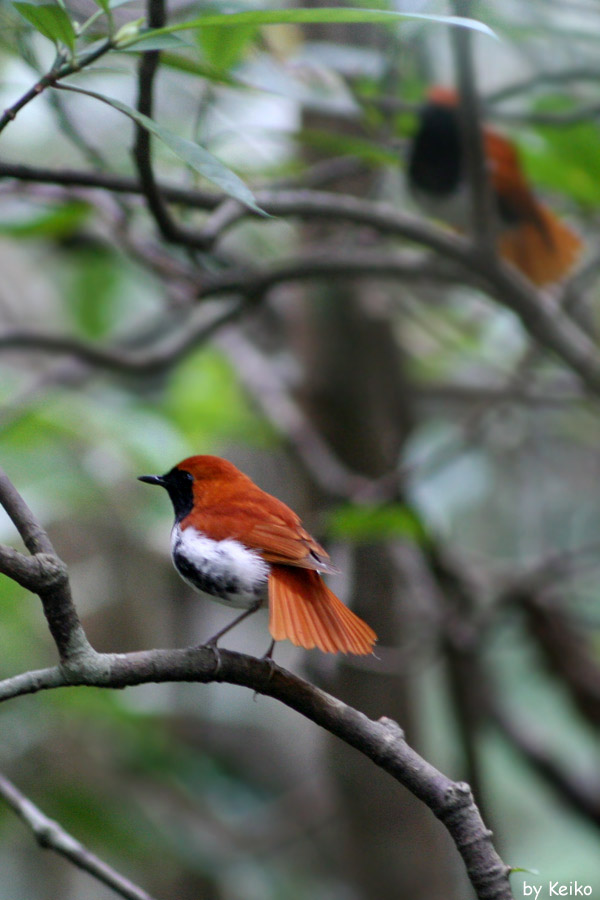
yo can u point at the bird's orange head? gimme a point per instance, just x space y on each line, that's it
440 95
199 481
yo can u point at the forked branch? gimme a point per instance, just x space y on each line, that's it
381 741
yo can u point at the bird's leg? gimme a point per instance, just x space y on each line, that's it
247 612
268 657
269 653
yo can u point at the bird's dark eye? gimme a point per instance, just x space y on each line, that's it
189 476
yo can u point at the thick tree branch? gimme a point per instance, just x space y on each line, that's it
539 313
536 310
381 741
52 836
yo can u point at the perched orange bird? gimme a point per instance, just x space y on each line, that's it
245 548
530 236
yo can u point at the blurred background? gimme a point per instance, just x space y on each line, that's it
448 461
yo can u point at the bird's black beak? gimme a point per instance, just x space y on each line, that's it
153 479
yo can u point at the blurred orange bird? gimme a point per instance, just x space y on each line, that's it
529 235
244 548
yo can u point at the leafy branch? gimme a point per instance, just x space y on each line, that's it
61 69
53 22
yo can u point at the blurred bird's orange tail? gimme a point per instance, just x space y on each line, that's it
530 236
304 610
543 247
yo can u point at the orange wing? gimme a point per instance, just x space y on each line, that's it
304 610
536 242
260 522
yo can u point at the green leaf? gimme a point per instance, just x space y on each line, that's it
195 156
363 524
56 223
205 402
51 21
260 17
566 159
222 54
103 4
92 291
160 42
184 63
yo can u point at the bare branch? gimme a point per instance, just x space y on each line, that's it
52 836
302 203
567 651
35 573
582 794
257 376
45 573
117 184
34 537
540 79
538 312
586 113
120 360
381 741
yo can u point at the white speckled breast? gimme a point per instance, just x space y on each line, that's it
225 570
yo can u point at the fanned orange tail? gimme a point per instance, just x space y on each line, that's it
304 610
543 248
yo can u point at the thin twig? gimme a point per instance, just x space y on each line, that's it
540 79
117 184
140 362
582 794
56 74
52 836
142 150
258 377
